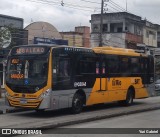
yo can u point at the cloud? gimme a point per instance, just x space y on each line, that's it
147 3
62 18
67 17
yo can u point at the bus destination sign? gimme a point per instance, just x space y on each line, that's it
28 50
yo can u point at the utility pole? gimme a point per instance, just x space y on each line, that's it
126 5
101 24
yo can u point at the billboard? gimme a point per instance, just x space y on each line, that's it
38 40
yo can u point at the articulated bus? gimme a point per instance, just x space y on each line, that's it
45 77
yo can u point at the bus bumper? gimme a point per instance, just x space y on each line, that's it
43 102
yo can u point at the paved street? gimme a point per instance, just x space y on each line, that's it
150 119
50 119
109 115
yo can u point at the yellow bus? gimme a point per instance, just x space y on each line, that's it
44 77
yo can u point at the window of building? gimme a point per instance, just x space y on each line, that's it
147 34
154 35
105 27
119 29
95 27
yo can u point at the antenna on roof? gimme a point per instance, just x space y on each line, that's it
126 5
31 20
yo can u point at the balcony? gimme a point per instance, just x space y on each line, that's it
134 38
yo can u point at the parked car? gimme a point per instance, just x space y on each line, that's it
157 84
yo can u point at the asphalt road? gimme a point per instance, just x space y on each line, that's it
149 119
52 119
140 122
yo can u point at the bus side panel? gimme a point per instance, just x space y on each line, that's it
141 93
116 89
96 96
63 98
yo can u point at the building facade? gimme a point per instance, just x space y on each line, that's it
42 30
122 29
11 34
149 34
74 38
158 35
14 22
86 35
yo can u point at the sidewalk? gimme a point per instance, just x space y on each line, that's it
3 91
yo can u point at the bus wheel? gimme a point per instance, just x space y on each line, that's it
77 104
129 98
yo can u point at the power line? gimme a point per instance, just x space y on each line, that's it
90 1
70 5
114 8
118 6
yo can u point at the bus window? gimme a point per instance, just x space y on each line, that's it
64 68
87 66
144 65
135 65
124 65
113 64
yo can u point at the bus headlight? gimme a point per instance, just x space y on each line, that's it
46 93
7 94
37 88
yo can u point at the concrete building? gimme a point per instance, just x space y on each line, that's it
158 35
122 29
86 35
42 30
11 34
74 38
14 22
149 34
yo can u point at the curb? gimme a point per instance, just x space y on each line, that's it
15 110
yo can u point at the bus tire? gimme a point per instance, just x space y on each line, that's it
129 98
77 104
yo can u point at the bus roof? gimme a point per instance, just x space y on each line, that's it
98 50
117 51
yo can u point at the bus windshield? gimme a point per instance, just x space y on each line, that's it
27 71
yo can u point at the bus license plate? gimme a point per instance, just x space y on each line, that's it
22 101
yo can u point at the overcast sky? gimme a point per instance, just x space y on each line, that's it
75 12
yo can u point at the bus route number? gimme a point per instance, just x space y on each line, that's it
15 61
17 76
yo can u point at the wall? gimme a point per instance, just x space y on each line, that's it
110 39
74 39
11 21
86 34
42 30
150 37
